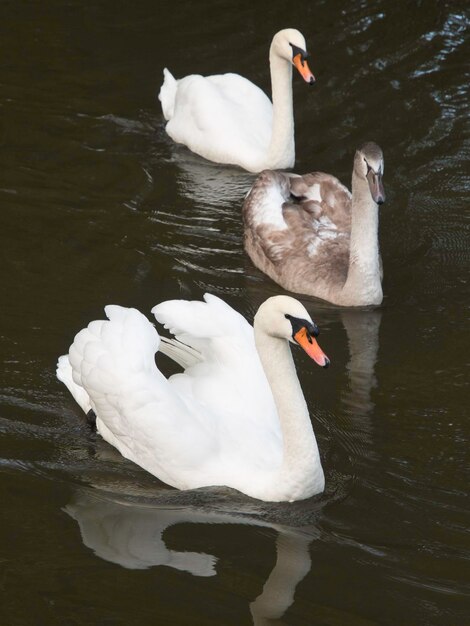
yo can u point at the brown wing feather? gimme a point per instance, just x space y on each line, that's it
335 197
297 230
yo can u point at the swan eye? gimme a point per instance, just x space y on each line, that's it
368 166
313 330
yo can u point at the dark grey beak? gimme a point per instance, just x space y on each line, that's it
376 187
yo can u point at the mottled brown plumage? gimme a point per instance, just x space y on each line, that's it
298 231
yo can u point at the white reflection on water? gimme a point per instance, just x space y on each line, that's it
131 535
210 184
292 565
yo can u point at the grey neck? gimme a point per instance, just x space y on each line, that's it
363 283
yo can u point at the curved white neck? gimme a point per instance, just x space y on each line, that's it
301 473
363 283
281 151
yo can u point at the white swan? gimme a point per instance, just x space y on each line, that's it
227 119
312 236
235 417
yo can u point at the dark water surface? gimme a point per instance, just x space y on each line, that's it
98 206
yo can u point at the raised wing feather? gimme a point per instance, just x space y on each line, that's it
229 378
137 410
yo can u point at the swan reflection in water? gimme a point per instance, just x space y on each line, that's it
210 185
362 329
132 536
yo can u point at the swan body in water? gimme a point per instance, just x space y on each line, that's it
227 119
312 236
235 416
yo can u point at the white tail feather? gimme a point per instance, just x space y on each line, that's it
64 374
167 94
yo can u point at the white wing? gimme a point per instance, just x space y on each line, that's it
137 410
198 428
228 379
224 118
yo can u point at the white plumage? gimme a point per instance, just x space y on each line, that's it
219 422
227 119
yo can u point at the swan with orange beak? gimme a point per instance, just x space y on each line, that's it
227 119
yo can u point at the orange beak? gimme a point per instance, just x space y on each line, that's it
304 69
311 347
